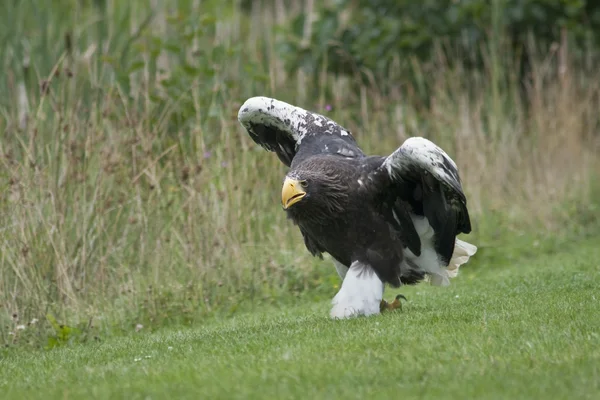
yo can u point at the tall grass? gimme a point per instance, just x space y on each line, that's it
131 195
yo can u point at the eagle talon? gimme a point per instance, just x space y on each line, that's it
396 304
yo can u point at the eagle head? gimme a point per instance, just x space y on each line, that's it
293 191
314 192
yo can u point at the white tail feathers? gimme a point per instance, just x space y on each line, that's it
462 252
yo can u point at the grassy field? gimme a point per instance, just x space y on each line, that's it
527 329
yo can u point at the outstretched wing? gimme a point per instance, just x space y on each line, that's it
294 133
424 180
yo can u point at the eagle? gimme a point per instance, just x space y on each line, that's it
383 220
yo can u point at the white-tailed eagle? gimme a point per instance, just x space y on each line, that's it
383 220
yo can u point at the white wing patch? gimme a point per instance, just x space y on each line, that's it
420 153
267 111
346 152
422 149
295 121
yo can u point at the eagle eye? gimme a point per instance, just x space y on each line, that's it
304 184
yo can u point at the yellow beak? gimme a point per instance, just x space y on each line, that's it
291 193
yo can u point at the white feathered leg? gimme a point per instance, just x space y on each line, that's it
360 294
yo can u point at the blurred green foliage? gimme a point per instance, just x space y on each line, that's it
384 37
171 50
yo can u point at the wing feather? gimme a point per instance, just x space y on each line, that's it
424 176
294 133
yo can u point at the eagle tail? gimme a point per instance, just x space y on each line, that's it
462 252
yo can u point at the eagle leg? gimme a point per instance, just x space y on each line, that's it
360 294
396 304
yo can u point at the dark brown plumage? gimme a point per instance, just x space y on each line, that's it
340 217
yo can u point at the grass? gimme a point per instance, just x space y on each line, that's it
527 329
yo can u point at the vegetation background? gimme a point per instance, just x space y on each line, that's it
132 199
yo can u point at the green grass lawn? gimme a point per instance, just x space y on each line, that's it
530 329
